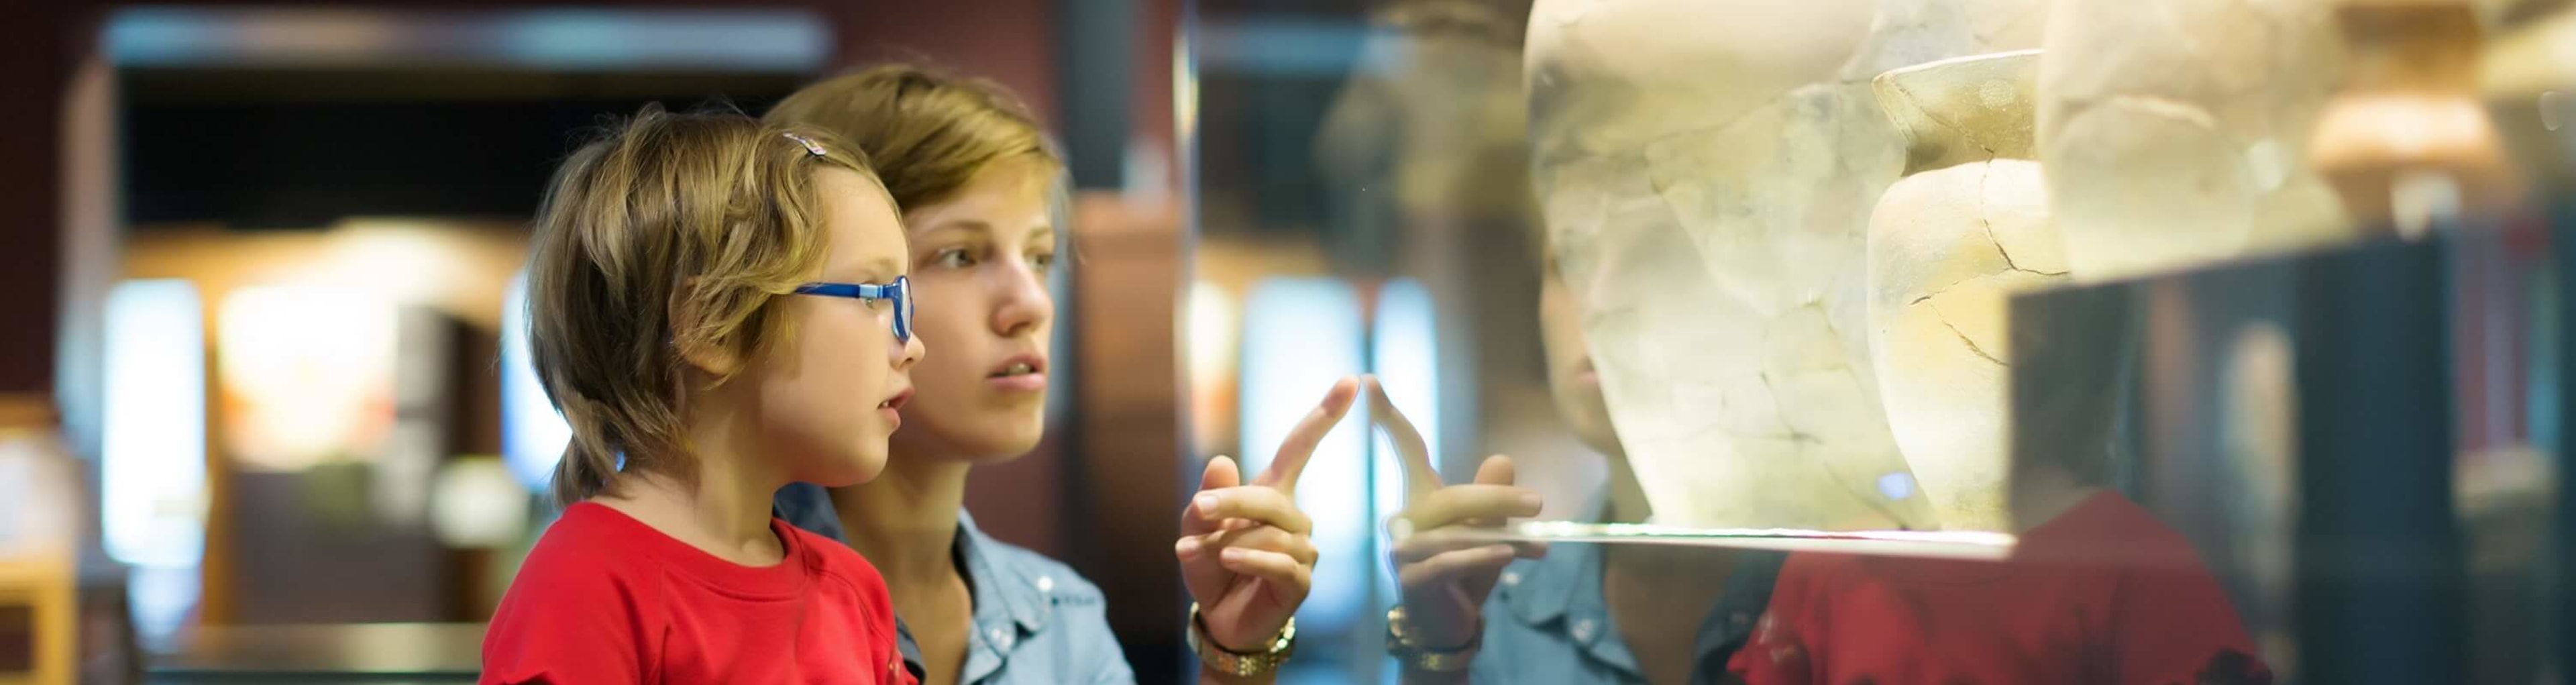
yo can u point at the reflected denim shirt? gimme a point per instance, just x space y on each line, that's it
1036 621
1548 621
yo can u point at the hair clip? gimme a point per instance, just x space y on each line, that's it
811 147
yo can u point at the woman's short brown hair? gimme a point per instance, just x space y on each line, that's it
670 232
928 133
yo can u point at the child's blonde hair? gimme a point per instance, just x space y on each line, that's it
669 233
927 132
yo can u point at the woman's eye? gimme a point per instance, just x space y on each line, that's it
953 258
1042 262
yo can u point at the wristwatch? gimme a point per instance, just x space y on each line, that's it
1401 645
1216 656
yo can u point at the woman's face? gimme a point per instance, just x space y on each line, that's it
1570 376
980 263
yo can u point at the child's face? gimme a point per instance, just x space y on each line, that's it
982 257
826 394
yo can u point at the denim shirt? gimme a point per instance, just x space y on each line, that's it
1036 621
1548 621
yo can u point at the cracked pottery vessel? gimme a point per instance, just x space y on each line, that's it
1706 169
2174 133
1948 245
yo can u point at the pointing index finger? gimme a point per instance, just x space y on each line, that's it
1420 478
1301 441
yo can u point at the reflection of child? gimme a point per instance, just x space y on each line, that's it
696 385
2097 590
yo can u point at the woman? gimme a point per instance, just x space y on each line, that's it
978 186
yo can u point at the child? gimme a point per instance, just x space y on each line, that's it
2096 590
718 308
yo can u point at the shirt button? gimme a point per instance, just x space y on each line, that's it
1046 583
1511 578
1583 630
1000 639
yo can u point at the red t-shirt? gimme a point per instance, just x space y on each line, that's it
2102 594
606 599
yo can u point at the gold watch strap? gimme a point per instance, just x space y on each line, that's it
1216 656
1401 645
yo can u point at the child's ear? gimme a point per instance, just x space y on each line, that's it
696 342
712 357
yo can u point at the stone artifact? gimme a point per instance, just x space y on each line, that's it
1706 170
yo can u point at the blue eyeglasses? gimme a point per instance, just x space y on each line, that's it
899 292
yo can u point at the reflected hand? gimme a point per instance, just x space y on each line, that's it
1445 576
1244 550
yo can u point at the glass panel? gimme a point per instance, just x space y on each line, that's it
2086 341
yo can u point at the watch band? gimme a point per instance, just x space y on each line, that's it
1216 656
1401 645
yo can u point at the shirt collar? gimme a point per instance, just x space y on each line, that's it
1003 591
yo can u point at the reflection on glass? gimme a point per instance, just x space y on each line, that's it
2097 589
1300 335
1402 347
2041 306
1706 174
2174 134
2258 431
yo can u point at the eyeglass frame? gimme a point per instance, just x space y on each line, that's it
899 292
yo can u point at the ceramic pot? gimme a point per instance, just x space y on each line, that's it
1706 169
1948 244
2173 133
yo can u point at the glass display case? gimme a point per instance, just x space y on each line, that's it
2067 327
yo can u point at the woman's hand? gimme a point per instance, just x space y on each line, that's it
1244 551
1444 571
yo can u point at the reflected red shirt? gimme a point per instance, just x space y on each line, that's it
604 598
2102 594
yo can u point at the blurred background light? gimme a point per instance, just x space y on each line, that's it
476 502
1214 342
1283 46
1299 335
152 480
532 39
153 473
307 375
585 39
425 355
533 434
1402 354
